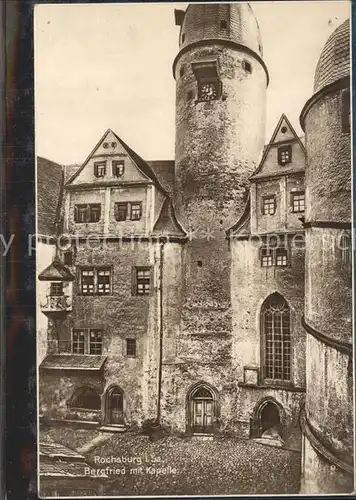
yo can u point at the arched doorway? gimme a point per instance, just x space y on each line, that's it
270 418
114 406
202 409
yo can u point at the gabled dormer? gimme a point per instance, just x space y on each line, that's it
114 193
283 154
277 200
112 161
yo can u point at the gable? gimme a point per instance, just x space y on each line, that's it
284 137
108 151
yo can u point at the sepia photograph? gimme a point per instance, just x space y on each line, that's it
194 249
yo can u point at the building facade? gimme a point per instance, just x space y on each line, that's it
182 293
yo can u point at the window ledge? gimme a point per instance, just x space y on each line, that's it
279 387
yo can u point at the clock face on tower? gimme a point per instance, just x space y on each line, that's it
208 91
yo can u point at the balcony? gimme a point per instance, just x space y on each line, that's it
56 304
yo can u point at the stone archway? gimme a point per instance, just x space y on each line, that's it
268 419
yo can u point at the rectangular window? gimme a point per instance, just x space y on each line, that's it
68 258
298 202
284 155
87 213
104 281
141 280
268 205
131 210
94 213
271 256
266 257
87 341
78 342
100 169
95 342
56 289
135 211
87 281
281 257
131 347
121 211
346 112
95 281
118 168
81 213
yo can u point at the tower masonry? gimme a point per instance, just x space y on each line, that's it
221 82
327 462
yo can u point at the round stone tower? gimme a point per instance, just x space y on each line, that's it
221 83
327 421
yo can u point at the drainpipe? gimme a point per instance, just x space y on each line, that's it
161 251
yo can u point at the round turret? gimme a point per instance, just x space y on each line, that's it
235 22
328 272
334 61
221 83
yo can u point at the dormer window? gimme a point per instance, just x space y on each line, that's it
118 168
223 24
100 169
284 155
209 85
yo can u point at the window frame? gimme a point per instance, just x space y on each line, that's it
283 149
100 169
68 258
115 165
285 339
292 201
264 204
273 254
84 408
87 210
56 284
247 66
133 346
95 270
86 344
128 205
345 251
135 281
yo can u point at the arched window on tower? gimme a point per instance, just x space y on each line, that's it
345 249
276 338
85 398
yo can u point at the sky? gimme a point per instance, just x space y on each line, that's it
101 66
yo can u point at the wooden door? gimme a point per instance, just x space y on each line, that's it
116 407
202 416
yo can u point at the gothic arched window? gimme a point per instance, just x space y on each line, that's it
345 249
275 330
86 398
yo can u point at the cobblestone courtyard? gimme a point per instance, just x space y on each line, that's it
178 466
